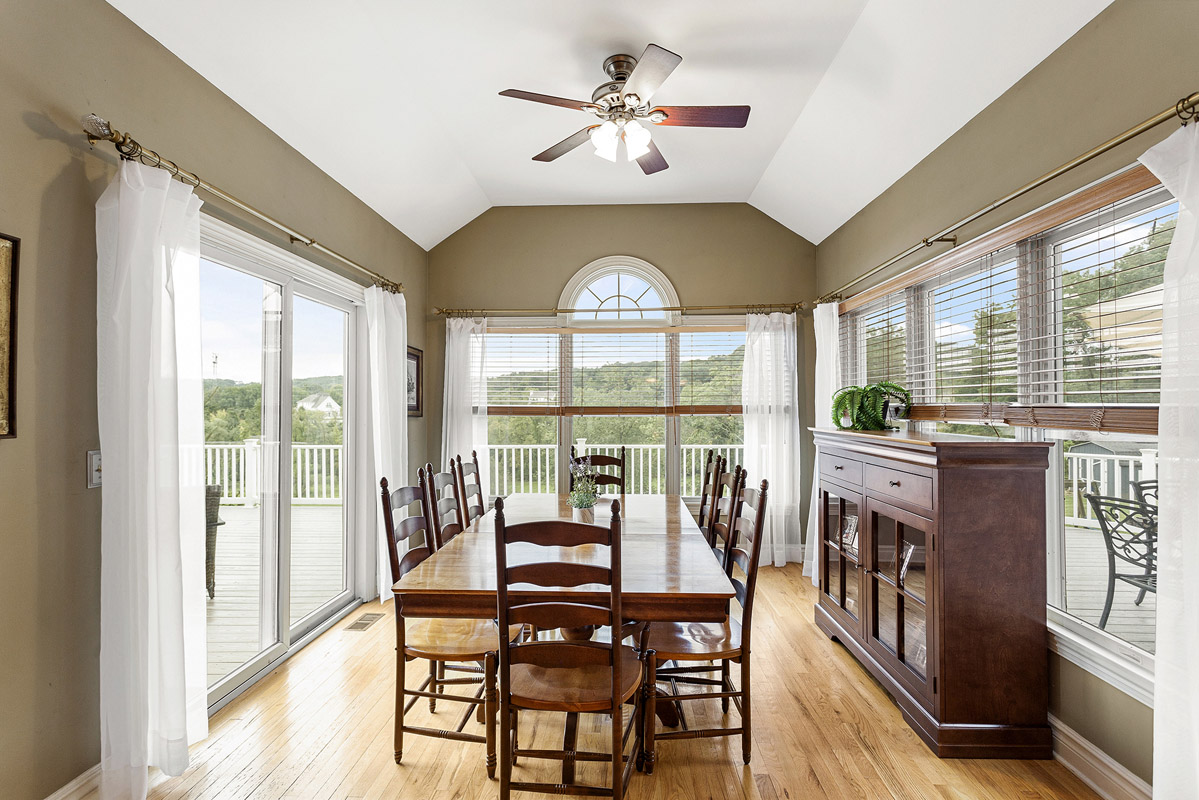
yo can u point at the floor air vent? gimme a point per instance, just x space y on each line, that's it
364 622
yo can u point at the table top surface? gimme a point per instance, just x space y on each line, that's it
663 553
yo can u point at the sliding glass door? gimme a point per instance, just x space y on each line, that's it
278 396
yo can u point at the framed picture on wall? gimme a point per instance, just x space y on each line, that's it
10 248
416 382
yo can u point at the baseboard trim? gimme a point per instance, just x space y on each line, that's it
1109 778
81 787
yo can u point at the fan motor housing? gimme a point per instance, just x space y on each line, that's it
618 67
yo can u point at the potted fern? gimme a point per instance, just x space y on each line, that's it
868 408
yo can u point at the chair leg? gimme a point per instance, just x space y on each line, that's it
617 750
489 698
1141 597
1107 605
746 719
507 733
399 717
649 711
570 741
432 685
724 678
515 734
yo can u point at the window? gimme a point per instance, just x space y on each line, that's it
622 372
1055 335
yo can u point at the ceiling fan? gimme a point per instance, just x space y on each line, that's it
622 105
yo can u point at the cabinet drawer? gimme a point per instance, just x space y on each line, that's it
914 489
843 469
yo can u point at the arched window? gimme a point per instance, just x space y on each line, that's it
620 289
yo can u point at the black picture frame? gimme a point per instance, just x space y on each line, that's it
416 382
10 257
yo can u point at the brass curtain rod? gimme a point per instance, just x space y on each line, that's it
532 312
98 129
1185 109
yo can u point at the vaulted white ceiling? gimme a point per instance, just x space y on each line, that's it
398 101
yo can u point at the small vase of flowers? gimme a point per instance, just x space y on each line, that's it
584 492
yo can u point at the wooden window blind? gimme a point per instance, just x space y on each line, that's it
1058 329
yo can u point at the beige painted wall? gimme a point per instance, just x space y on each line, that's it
1133 60
58 60
522 257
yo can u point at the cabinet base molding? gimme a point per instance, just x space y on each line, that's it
945 739
1109 778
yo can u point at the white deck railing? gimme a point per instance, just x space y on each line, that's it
316 471
533 467
1106 475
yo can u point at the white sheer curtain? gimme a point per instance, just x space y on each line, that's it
1175 699
153 675
827 322
464 418
770 399
387 333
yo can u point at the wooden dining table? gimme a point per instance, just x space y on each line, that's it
669 571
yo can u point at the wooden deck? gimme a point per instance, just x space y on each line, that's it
318 568
320 726
1086 589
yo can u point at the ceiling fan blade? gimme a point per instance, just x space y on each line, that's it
652 161
704 116
578 105
566 145
654 67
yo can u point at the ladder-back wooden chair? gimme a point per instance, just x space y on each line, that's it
465 641
569 676
1129 530
616 478
727 642
725 499
712 470
470 488
443 505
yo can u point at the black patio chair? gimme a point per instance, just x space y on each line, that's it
1129 530
1146 491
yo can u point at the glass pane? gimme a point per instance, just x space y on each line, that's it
318 540
852 590
833 589
851 533
240 330
885 531
724 434
644 440
833 524
911 561
1121 476
915 637
887 617
523 453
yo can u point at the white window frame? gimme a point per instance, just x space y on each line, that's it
610 265
228 245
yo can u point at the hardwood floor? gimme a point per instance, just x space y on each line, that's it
321 727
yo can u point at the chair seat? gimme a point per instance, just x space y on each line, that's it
453 639
695 641
582 689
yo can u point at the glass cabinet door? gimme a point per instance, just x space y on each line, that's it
841 538
897 569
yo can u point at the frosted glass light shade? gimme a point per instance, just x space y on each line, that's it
605 138
636 139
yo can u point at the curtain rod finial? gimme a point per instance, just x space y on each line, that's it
98 127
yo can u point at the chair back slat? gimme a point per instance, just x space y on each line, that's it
443 506
470 488
404 529
547 616
746 550
557 532
561 573
724 510
602 478
558 654
713 467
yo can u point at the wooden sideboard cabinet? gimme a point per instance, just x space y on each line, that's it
932 573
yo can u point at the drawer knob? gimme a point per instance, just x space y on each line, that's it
837 467
894 483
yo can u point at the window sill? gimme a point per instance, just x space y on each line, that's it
1108 658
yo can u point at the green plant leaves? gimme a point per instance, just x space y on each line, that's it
865 406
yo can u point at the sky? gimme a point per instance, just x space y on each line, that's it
231 319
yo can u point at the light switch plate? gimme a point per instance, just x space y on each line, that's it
93 469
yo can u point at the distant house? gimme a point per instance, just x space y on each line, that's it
542 395
321 403
1114 466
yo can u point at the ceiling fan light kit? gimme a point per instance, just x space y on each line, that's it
623 105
